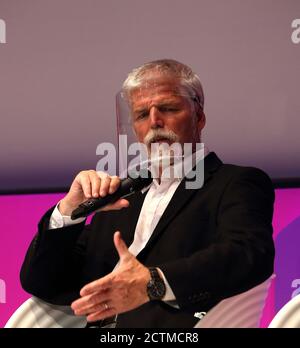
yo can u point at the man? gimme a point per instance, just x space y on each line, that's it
188 248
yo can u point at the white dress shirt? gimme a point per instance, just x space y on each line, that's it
156 201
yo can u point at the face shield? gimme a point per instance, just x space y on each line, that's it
144 139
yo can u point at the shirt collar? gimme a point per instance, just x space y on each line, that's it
177 169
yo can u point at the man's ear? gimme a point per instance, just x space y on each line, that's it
201 119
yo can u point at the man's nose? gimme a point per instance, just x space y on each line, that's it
156 118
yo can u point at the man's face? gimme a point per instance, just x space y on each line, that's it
162 114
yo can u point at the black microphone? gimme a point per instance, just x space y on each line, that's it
127 187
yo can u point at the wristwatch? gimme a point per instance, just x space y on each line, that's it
156 288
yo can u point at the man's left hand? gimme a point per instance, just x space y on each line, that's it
120 291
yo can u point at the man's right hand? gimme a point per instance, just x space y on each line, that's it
91 184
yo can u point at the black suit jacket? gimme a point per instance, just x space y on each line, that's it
211 243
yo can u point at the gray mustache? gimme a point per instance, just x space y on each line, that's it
156 135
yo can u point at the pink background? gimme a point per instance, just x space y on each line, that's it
20 215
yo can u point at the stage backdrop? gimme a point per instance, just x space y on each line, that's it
22 213
64 61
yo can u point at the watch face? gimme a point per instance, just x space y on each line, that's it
160 289
156 288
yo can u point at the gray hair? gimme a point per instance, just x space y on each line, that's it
188 79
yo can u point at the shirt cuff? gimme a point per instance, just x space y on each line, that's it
169 296
58 221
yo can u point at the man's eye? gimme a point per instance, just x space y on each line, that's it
141 115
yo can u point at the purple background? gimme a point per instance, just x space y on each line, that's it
64 62
20 215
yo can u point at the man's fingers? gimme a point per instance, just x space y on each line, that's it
120 246
85 183
104 185
97 285
81 303
91 299
91 308
119 204
85 304
101 314
114 184
95 182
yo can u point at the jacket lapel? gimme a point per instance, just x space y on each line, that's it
181 198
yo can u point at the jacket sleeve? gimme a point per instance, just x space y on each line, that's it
242 253
52 266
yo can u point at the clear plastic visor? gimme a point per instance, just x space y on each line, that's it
141 107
